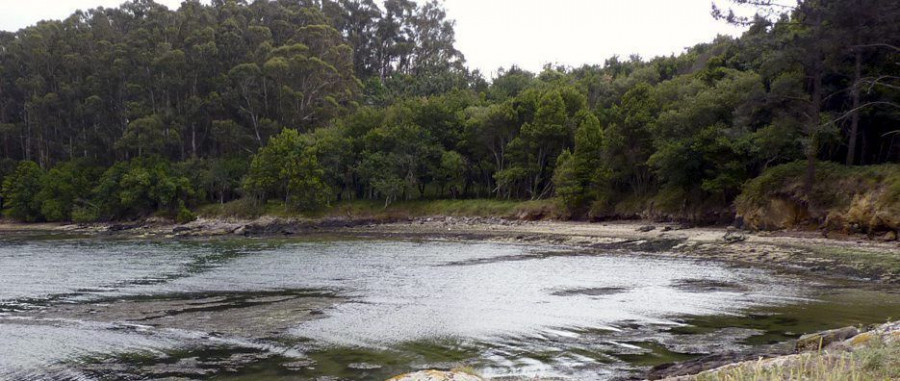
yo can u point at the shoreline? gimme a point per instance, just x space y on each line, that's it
801 252
852 257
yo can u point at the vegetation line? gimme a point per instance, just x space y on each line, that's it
128 112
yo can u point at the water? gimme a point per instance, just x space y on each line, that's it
273 309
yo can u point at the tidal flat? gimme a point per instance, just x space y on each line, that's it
368 303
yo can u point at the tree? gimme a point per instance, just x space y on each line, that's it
577 173
628 143
148 136
398 159
812 40
20 190
66 188
492 128
451 173
287 167
140 187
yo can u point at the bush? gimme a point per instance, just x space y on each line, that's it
84 214
20 191
184 215
288 168
243 208
141 187
65 187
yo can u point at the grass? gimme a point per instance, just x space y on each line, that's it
864 198
375 210
878 362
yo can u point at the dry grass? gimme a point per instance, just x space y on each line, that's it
375 210
878 362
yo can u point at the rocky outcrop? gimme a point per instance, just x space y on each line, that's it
821 340
832 342
437 375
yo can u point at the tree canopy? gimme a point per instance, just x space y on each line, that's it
123 112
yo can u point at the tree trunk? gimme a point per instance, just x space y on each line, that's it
815 106
854 118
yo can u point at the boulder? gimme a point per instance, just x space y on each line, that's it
436 375
299 365
821 340
363 366
733 236
886 333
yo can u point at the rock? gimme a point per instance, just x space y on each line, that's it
179 229
889 236
299 365
733 236
363 366
695 366
187 367
647 228
246 358
122 227
436 375
821 340
861 340
887 333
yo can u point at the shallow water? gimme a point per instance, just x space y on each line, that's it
499 308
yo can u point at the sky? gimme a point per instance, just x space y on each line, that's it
500 33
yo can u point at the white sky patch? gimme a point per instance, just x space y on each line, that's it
531 33
17 14
500 33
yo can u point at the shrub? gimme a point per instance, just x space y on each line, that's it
20 191
184 214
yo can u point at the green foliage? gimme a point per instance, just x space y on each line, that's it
184 214
148 136
400 210
65 188
569 185
783 180
379 106
846 197
534 153
288 168
579 175
85 214
7 167
20 191
451 172
628 143
141 187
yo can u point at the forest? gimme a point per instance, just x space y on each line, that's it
123 113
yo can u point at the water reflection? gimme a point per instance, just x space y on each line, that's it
273 309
